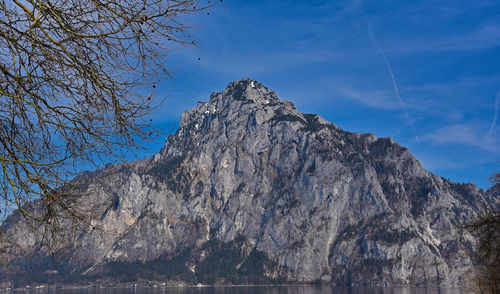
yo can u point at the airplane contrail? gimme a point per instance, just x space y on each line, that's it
495 117
394 84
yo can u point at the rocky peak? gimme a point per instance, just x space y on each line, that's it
248 99
242 108
248 90
244 96
289 195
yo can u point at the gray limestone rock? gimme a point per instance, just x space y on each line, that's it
250 190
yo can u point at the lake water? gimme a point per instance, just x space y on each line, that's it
253 290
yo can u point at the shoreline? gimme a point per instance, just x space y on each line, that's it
136 285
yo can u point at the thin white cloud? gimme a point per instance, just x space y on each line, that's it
433 162
464 134
382 99
484 37
495 117
460 85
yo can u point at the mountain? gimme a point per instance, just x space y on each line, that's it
249 190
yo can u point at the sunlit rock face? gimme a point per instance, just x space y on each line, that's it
250 190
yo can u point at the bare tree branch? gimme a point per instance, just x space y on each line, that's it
77 79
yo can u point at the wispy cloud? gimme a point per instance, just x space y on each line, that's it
495 117
268 61
432 162
481 38
460 84
466 134
382 99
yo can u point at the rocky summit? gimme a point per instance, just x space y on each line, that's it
249 190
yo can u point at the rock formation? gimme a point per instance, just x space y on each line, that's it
250 190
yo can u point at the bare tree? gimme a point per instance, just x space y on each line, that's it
77 83
486 230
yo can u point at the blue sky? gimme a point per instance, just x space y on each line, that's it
426 73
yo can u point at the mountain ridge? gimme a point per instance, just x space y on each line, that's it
289 196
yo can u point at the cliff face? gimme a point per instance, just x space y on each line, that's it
250 189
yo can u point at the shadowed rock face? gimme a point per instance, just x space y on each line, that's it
249 189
